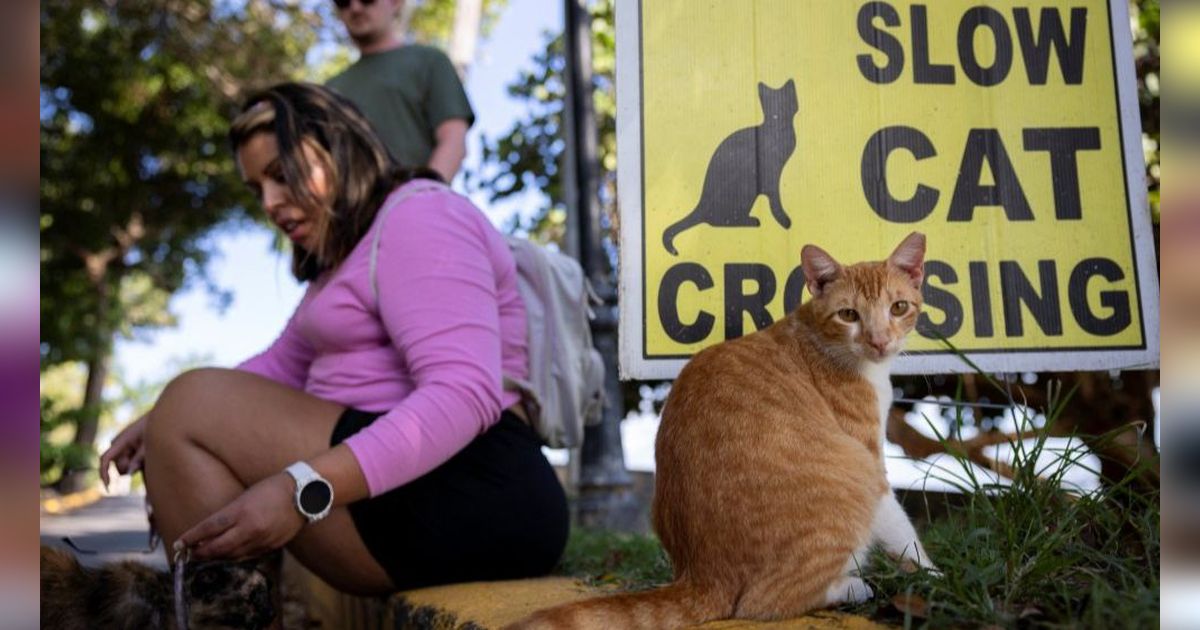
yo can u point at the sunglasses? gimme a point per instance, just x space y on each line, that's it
342 4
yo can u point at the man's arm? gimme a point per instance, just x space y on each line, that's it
450 147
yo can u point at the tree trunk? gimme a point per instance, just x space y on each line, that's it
76 480
85 433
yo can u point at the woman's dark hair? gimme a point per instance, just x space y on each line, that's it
360 170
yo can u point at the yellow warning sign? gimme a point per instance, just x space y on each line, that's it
1008 133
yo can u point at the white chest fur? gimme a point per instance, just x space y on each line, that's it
879 376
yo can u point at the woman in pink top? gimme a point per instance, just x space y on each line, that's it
373 438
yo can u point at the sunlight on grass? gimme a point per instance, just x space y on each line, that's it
628 561
1032 554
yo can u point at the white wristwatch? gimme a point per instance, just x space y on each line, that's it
314 495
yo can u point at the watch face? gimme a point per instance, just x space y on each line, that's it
315 497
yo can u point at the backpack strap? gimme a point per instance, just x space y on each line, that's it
530 402
414 187
528 397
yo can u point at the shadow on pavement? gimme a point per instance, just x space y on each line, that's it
114 527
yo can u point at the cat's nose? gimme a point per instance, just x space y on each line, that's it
879 345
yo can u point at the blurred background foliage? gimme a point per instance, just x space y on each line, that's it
1146 59
529 155
135 98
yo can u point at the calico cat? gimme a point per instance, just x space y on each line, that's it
770 485
130 595
745 165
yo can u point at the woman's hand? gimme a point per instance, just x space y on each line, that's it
127 451
262 519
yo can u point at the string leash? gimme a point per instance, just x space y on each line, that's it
180 559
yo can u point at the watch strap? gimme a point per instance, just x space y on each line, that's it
304 474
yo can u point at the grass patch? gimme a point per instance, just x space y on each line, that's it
626 561
1032 555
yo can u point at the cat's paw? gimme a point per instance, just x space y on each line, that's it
848 590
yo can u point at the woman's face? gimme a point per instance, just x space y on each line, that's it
262 170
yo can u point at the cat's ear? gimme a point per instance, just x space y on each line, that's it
909 258
819 269
763 90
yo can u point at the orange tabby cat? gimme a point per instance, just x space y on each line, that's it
770 474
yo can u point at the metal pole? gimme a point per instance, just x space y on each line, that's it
580 121
606 498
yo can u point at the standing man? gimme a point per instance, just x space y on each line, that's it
409 92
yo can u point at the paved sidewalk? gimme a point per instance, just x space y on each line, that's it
114 526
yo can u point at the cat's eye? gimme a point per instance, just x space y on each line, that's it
848 315
899 308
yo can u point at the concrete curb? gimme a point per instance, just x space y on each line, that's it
492 605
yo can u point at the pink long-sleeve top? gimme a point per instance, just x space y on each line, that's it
430 353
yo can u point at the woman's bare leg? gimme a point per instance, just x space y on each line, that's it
215 432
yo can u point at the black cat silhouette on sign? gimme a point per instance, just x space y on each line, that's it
745 165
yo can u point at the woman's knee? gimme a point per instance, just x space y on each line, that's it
187 398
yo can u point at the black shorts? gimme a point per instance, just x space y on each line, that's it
493 511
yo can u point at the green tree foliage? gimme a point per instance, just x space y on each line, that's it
1146 59
61 404
529 154
135 171
432 21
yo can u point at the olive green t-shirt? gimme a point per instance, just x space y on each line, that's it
406 93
